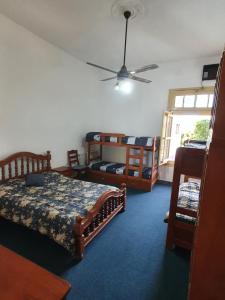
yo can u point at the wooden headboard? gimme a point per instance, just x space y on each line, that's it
19 164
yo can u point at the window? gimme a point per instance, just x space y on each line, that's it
189 101
179 101
199 99
202 100
211 98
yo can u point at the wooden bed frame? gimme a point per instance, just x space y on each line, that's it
86 228
190 163
131 181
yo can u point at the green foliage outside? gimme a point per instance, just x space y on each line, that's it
201 132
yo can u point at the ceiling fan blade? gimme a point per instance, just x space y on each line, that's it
139 79
100 67
110 78
145 68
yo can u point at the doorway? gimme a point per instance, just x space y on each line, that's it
187 127
188 118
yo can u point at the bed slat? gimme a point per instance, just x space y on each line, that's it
38 165
3 173
16 168
22 166
28 165
10 170
33 166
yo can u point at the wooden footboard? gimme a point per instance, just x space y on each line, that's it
107 206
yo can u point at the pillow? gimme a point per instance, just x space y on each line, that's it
34 180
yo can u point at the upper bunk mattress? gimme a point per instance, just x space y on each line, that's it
143 141
119 168
52 208
195 144
93 136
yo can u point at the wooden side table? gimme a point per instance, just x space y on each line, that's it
64 170
21 279
78 172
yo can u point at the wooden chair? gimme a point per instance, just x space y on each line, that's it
79 171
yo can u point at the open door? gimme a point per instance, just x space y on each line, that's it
165 137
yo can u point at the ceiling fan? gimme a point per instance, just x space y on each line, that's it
123 72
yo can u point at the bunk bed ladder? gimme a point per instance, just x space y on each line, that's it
89 154
140 157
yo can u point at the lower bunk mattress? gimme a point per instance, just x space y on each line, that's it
50 209
119 169
188 198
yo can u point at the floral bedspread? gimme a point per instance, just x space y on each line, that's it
52 208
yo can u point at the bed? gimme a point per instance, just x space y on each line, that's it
184 203
70 212
139 169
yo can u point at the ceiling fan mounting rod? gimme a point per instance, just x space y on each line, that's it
123 73
127 15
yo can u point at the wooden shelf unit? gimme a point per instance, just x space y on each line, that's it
137 182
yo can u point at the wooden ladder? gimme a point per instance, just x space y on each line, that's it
140 157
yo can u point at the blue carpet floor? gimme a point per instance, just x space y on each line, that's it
127 260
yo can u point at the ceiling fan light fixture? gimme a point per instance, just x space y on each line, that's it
125 86
117 86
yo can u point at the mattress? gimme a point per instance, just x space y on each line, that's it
118 168
143 141
195 144
138 141
188 198
93 136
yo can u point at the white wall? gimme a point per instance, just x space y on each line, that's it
140 113
49 100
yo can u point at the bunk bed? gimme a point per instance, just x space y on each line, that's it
140 169
184 203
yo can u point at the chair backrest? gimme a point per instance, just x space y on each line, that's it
73 159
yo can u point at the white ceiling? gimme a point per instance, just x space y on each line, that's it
168 30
